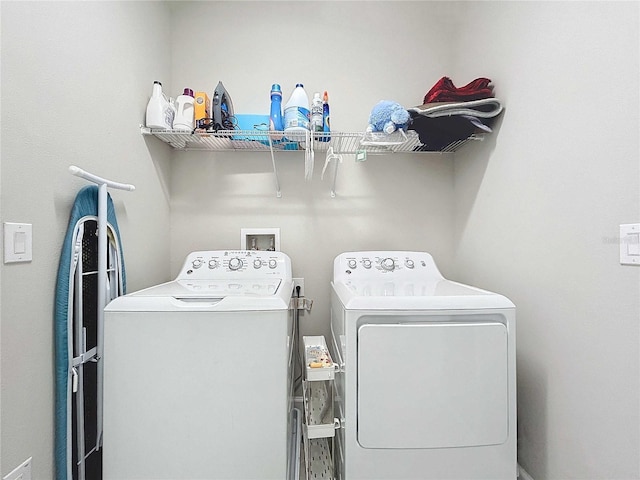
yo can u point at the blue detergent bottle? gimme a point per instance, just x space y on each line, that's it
276 123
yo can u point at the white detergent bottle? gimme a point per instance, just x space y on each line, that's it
296 115
159 113
184 119
172 112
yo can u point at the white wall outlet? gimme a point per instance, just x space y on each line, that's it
630 244
23 472
298 282
264 239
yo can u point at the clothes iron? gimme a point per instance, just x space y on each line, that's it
222 109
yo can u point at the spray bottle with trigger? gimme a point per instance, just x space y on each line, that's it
326 123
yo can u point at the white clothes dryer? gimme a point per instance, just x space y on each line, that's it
198 372
427 388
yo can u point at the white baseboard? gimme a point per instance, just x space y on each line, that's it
522 474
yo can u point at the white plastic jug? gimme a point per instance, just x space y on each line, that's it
184 119
296 115
159 111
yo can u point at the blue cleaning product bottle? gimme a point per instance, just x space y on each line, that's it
276 123
326 123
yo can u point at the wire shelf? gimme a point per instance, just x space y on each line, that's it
334 145
264 141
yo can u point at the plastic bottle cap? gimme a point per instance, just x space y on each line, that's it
275 88
157 82
188 91
299 85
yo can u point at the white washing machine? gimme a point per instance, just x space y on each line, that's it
427 388
198 372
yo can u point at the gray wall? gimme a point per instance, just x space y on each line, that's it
75 81
530 212
388 202
537 214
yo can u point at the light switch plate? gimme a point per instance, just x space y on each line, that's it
630 244
17 242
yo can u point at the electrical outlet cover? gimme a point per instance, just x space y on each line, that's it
298 282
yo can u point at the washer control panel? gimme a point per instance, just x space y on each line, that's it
234 264
397 265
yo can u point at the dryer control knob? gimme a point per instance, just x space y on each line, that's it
197 263
388 264
366 263
257 263
352 263
213 264
273 263
409 263
235 264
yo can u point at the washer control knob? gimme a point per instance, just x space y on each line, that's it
409 263
213 264
388 264
235 264
257 263
352 263
273 263
366 263
197 263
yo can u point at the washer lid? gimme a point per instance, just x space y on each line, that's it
208 296
220 281
258 287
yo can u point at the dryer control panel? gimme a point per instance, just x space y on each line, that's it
217 264
387 265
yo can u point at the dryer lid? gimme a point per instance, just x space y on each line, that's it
400 288
402 280
442 295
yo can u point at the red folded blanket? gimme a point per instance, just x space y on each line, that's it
445 91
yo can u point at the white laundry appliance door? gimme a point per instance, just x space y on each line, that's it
432 385
196 395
